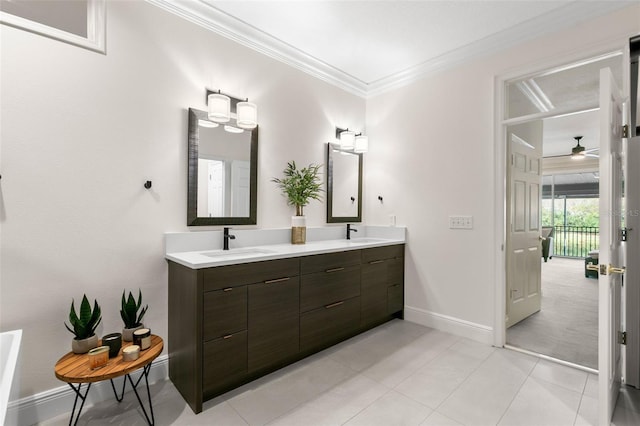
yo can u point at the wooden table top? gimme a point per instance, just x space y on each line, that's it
74 368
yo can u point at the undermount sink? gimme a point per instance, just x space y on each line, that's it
241 252
367 240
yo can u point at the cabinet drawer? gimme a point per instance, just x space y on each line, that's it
249 273
274 323
326 287
325 326
224 312
224 362
323 262
378 253
395 298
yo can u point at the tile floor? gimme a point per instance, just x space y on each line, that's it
397 374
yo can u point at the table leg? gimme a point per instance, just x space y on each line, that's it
145 374
118 398
75 402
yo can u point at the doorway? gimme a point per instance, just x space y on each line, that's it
563 101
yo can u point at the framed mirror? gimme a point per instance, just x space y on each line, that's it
223 172
344 185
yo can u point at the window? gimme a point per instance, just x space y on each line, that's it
78 22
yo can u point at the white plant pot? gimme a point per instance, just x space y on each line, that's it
298 229
127 333
84 345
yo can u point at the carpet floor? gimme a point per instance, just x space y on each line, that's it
566 327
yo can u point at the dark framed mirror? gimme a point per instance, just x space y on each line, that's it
223 172
344 185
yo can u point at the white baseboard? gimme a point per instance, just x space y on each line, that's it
54 402
479 333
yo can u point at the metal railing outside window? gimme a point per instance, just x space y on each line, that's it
575 241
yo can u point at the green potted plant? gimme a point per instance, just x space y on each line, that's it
300 186
130 316
84 326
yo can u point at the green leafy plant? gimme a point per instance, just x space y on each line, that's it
85 324
130 308
300 185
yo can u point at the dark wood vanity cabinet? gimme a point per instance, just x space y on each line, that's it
229 325
382 287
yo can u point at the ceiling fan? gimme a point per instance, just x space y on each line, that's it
579 152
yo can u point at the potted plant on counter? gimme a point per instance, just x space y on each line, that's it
300 186
130 316
84 326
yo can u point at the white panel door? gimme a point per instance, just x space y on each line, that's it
612 253
524 248
240 188
632 273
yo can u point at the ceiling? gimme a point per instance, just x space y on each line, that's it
368 47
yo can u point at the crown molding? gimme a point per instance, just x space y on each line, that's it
202 13
207 16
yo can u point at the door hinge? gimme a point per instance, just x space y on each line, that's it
622 337
623 234
625 131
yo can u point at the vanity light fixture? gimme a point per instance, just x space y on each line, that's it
352 141
247 115
361 144
219 107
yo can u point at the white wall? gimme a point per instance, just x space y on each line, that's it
81 132
432 155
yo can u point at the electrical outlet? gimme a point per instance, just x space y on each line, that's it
392 220
460 222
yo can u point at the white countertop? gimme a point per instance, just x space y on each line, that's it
206 257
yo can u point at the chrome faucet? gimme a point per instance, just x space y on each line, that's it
225 239
349 231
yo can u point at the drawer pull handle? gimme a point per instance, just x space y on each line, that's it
334 305
227 289
228 336
279 280
375 262
328 271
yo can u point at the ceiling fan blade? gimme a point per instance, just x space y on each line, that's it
557 156
590 150
592 155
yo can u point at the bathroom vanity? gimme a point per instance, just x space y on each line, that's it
238 316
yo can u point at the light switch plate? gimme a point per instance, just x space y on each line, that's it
460 222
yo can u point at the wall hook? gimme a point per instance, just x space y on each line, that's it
380 198
353 200
147 184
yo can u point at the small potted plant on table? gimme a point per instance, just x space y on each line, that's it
300 186
84 326
130 316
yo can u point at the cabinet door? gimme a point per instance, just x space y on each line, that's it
374 292
224 312
224 363
274 322
328 325
329 286
395 292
